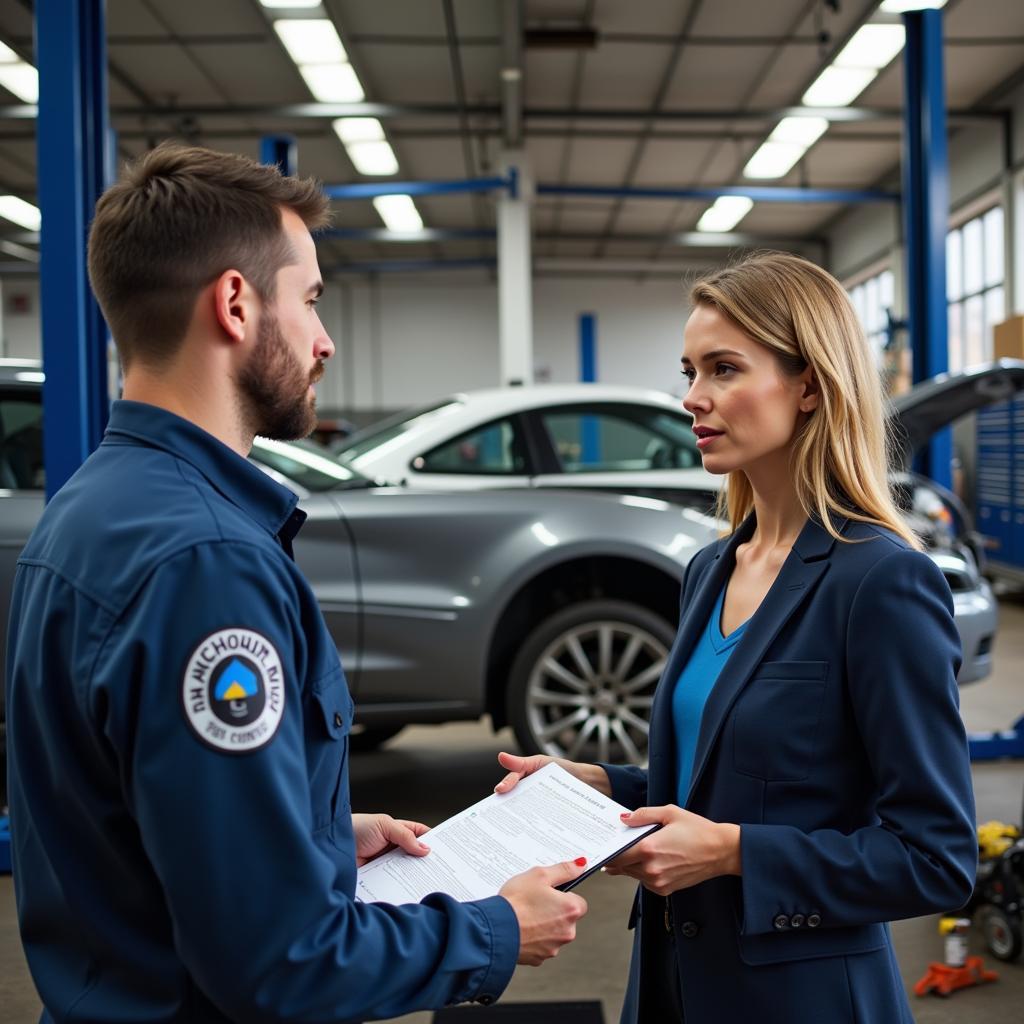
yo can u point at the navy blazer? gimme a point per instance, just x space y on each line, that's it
833 738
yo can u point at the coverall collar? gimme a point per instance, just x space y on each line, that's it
243 483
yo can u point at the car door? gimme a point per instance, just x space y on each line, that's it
626 447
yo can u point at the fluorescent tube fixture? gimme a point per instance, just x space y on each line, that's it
901 6
836 87
22 79
7 55
311 40
333 83
358 129
399 213
872 46
292 5
724 214
21 213
804 131
372 157
773 159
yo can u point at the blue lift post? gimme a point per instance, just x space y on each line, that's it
590 426
74 159
926 216
280 150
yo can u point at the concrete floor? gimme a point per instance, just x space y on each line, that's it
428 773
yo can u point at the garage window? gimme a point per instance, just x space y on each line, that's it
974 287
872 299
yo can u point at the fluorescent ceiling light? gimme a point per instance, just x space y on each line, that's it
21 79
17 210
804 131
399 213
372 157
311 40
773 159
836 87
358 129
899 6
7 55
725 213
290 4
333 83
872 46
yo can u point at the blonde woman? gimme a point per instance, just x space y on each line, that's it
808 762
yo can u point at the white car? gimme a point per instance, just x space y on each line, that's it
595 436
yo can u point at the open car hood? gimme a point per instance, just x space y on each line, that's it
936 403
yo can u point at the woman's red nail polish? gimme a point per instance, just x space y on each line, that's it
624 815
580 862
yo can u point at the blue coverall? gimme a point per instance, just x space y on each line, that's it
178 726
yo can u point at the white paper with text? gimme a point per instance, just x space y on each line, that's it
549 817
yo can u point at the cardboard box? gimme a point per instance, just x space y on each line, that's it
1008 339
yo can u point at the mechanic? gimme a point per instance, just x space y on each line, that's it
178 717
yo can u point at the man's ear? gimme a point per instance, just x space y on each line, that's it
811 391
233 304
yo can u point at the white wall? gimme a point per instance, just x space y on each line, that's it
19 319
424 337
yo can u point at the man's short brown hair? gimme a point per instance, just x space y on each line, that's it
179 218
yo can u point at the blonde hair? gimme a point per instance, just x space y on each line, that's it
840 456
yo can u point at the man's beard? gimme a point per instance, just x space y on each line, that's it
274 387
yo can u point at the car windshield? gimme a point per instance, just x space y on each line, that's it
394 426
307 464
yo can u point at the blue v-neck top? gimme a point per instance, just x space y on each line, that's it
693 688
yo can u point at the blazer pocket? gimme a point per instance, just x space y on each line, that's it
775 720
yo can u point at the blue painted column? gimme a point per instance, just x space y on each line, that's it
926 215
590 426
75 165
280 150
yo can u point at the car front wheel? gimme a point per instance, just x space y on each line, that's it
582 685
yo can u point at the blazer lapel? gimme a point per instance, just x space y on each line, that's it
693 619
805 564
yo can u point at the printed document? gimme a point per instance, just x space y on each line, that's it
549 817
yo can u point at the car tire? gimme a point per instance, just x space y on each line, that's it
582 684
365 738
1002 933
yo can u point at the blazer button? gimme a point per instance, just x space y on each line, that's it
797 921
338 720
813 920
690 929
781 923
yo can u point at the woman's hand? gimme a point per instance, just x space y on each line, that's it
685 851
519 767
377 833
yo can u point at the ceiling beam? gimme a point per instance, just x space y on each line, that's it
387 111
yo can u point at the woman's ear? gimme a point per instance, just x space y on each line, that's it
811 391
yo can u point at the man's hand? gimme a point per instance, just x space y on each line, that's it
685 851
547 918
377 833
519 767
